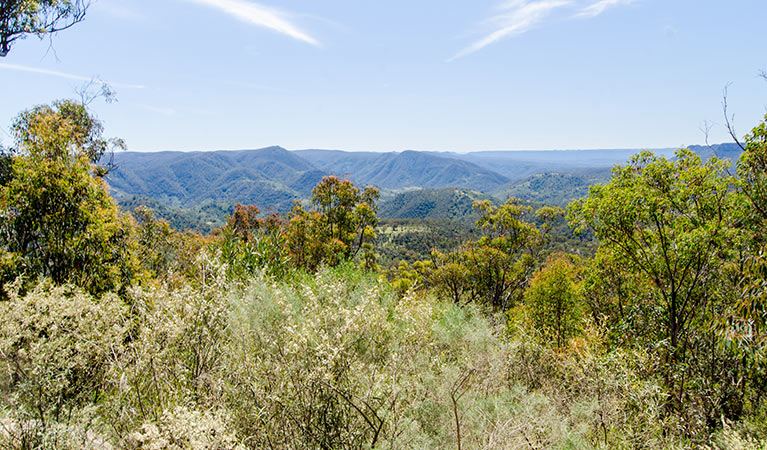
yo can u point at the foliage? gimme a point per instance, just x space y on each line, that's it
164 253
333 360
55 344
342 225
282 332
446 204
198 220
63 131
348 215
41 17
553 299
249 244
670 223
57 219
555 188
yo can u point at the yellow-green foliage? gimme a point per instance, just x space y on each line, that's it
56 216
553 300
333 360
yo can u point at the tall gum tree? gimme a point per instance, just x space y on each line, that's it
57 219
670 221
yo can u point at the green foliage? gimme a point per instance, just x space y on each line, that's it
41 17
501 261
57 219
202 219
280 331
555 188
342 226
493 270
669 224
164 253
670 221
448 203
248 244
412 240
553 300
60 132
348 215
206 186
752 172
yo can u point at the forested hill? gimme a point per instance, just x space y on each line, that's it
448 203
270 176
274 177
408 169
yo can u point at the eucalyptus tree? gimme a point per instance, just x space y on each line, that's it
57 219
19 18
671 223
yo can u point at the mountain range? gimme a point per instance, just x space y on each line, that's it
273 177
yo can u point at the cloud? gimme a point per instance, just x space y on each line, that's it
600 6
519 16
260 15
53 73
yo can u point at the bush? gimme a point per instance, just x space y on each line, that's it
55 344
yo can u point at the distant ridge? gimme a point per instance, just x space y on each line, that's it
406 169
270 176
273 177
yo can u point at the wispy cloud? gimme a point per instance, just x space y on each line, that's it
520 16
53 73
600 6
517 17
260 15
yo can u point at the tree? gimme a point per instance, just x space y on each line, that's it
57 219
348 216
19 18
553 301
670 222
63 131
747 325
501 261
451 274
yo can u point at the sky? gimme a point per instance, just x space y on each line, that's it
372 75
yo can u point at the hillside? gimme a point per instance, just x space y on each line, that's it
518 165
448 203
554 188
408 169
722 151
271 177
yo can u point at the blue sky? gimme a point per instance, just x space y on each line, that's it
455 75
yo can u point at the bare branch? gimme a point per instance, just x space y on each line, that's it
95 89
729 121
458 391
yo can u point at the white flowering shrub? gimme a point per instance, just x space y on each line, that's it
55 348
335 360
184 429
173 352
